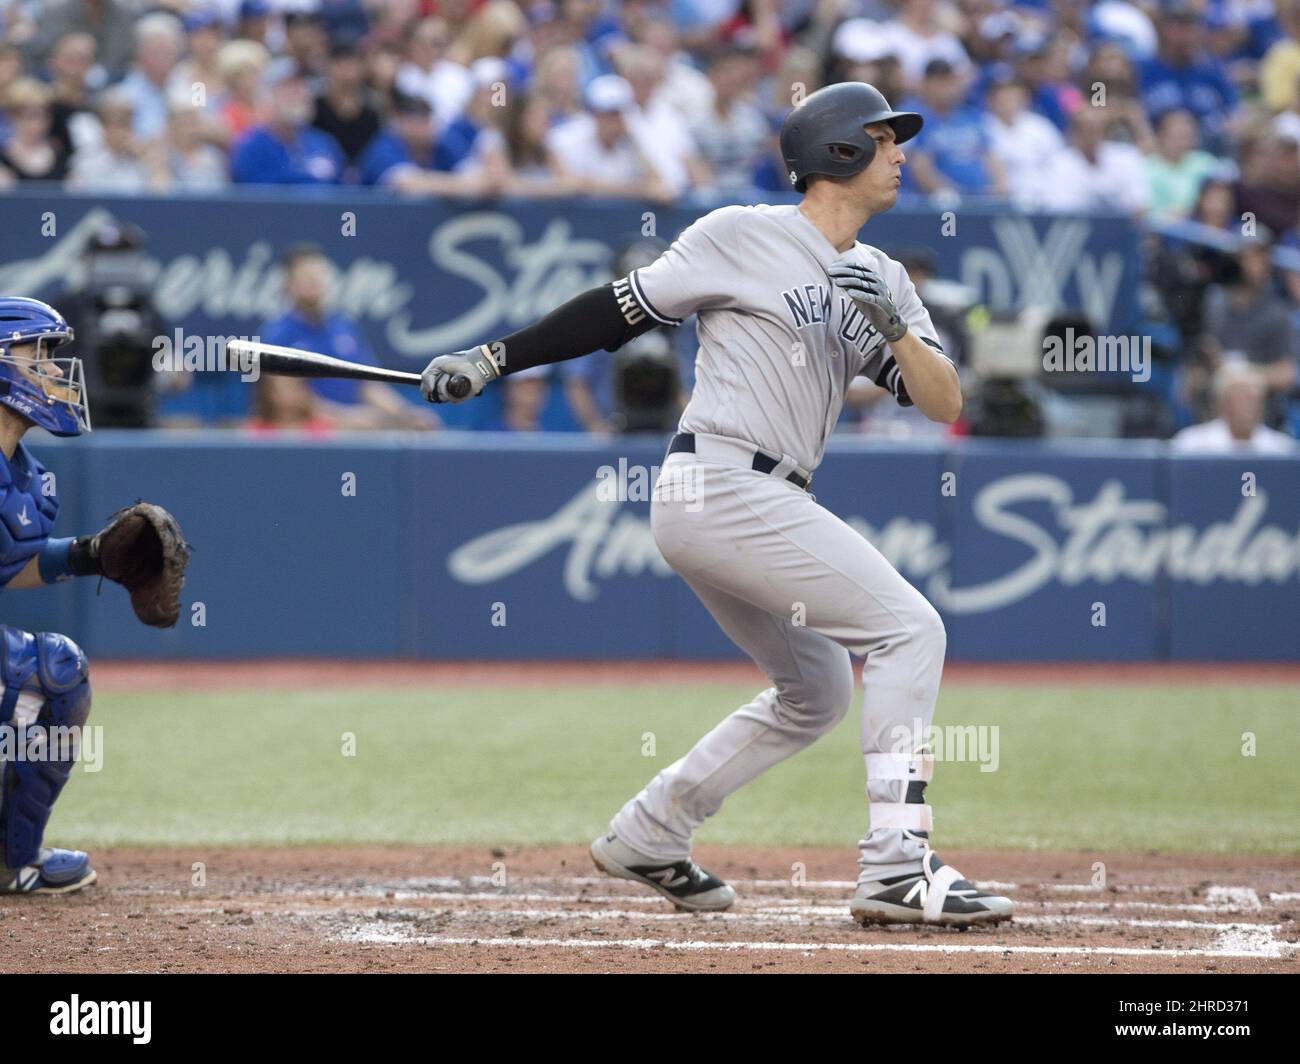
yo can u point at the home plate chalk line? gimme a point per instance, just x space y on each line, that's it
1231 938
376 937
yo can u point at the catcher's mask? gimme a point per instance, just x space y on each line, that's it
49 392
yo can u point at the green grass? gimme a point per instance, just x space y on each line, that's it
1127 768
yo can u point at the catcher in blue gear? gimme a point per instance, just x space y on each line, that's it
44 676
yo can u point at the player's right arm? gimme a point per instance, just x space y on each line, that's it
689 276
57 559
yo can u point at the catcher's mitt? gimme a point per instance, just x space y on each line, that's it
142 549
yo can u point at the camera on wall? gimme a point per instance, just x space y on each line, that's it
647 378
116 323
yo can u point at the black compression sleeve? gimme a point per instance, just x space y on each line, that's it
605 317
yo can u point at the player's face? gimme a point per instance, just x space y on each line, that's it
33 360
878 183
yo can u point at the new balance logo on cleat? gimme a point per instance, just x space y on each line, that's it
684 883
937 895
669 877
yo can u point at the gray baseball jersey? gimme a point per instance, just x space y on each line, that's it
793 586
779 343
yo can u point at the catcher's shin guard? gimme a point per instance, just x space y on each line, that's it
40 754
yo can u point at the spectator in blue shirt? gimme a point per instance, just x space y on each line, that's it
159 44
594 32
407 157
287 150
310 325
1043 64
1182 75
952 153
1241 31
472 141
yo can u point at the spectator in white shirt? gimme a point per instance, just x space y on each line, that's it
1094 173
192 164
920 35
862 40
430 75
1239 395
119 163
596 152
1023 141
657 126
686 89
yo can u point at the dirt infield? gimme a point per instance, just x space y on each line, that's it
298 673
380 909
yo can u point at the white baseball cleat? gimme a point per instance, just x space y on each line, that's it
684 883
937 895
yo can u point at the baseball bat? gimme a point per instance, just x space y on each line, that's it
295 362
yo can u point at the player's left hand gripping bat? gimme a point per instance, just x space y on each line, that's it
295 362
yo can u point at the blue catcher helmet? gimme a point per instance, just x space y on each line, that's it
50 392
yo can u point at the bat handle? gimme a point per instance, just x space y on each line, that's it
459 386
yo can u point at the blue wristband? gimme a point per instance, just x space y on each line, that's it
56 560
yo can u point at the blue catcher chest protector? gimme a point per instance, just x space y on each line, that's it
49 392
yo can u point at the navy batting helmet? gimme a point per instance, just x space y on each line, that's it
825 134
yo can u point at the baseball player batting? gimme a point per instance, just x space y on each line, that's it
791 308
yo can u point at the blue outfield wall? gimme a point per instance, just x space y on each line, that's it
1192 558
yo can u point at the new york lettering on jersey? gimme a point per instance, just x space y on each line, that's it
756 276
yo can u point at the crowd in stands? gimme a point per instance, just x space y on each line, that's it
1174 111
1052 104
